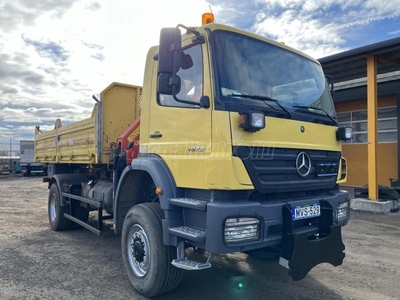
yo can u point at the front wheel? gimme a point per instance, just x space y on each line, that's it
146 259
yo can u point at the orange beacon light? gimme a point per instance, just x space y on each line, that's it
207 18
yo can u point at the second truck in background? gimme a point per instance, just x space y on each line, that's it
27 162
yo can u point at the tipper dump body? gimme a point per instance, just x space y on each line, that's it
91 140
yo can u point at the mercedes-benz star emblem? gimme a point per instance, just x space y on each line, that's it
303 164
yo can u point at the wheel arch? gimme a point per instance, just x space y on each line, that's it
62 179
130 189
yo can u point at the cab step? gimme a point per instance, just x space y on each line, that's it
190 265
196 204
182 262
190 233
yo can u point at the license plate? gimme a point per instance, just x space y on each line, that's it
306 211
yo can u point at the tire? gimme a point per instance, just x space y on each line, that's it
148 265
56 212
384 192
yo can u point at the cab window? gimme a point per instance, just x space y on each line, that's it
191 74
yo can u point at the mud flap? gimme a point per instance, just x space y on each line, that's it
301 252
309 253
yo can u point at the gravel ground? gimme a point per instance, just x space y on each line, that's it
38 263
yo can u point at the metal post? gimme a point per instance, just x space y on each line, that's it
372 108
398 134
10 153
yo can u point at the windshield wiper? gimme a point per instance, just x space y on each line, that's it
317 108
263 99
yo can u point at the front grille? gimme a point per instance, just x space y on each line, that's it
273 170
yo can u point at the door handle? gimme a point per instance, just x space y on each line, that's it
155 135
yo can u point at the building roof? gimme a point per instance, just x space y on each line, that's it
352 64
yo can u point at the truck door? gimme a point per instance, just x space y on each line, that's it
181 133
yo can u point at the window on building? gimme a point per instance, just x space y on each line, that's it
387 124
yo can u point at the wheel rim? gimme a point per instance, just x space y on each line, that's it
138 249
52 208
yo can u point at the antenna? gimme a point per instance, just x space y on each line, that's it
209 5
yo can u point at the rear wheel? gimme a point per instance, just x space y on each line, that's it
146 259
56 211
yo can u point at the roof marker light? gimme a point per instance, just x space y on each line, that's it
207 18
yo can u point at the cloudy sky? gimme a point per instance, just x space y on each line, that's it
54 54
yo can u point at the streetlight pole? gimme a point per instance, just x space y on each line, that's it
10 153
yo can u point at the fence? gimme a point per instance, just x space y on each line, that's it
9 153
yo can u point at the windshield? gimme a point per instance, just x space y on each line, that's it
249 71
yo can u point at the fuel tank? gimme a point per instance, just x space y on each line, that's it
100 191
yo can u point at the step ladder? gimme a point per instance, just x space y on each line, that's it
189 233
196 204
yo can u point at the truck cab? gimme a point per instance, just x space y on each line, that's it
254 158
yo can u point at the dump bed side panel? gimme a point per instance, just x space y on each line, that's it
89 141
73 143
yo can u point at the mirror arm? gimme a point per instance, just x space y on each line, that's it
199 38
185 101
331 84
174 82
203 103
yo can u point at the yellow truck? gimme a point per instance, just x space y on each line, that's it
232 145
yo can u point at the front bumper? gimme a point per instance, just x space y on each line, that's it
272 221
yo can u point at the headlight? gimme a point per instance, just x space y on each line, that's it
344 133
252 121
342 212
239 230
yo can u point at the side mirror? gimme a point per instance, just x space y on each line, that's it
169 61
331 83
